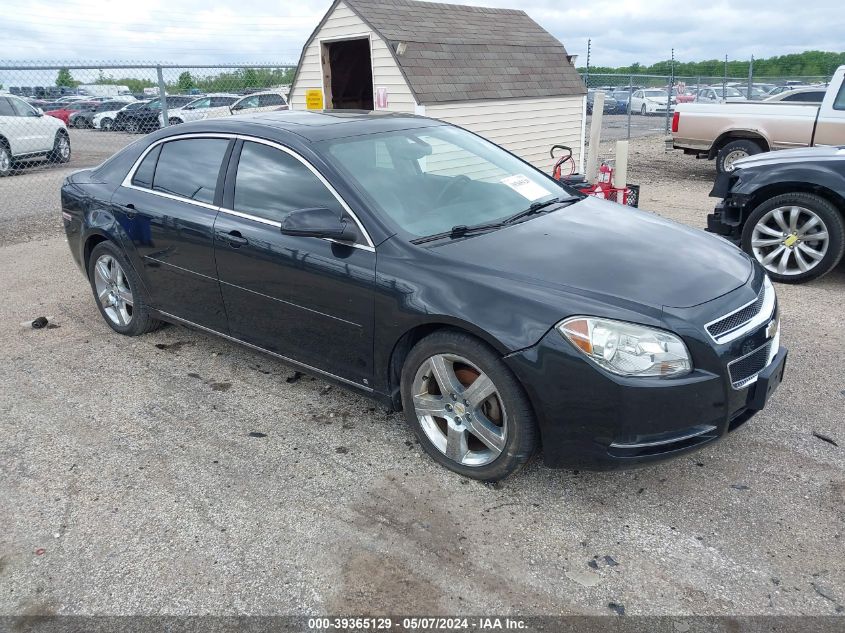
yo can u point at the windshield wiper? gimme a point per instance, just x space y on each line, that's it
536 207
462 230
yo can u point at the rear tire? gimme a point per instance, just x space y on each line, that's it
644 110
814 239
483 430
733 151
106 124
118 292
132 126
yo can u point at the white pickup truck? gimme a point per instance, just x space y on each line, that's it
730 131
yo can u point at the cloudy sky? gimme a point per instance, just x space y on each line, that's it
211 31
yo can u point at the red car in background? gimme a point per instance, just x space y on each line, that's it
64 110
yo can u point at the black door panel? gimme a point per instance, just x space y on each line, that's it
308 299
174 241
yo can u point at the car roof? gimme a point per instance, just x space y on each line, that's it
310 125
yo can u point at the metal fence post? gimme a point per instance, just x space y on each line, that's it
630 92
162 93
725 79
750 76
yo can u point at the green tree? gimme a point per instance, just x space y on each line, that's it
186 82
65 79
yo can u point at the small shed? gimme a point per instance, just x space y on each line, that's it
495 72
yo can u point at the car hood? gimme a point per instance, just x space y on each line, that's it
656 99
607 249
798 155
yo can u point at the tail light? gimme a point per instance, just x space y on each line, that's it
675 119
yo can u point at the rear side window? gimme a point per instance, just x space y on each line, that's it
144 174
270 100
271 183
6 107
839 102
217 102
189 168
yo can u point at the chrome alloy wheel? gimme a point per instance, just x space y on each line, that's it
460 410
5 160
113 290
63 147
790 240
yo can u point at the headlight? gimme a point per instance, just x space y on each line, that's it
627 349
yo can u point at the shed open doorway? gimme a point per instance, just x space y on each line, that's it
347 74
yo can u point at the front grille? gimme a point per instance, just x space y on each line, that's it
739 318
744 370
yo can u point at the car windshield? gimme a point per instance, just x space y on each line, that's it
429 180
729 92
654 93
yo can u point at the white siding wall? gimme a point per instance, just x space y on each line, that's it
341 24
526 127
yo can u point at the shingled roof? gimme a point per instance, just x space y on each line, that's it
464 53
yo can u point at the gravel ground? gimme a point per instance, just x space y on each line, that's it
181 474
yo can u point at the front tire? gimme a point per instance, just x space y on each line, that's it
61 148
106 124
644 110
733 151
5 160
467 408
796 237
118 292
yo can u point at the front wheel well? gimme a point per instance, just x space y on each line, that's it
403 346
777 189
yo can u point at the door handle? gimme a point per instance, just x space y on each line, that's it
130 210
235 239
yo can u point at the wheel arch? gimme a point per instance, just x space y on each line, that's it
405 342
738 135
772 190
90 244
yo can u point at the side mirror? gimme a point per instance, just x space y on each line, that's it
39 111
317 222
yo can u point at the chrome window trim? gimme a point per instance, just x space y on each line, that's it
127 182
767 311
309 368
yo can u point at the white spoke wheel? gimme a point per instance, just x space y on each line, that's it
468 410
795 237
61 148
5 160
117 292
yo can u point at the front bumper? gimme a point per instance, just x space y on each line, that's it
593 420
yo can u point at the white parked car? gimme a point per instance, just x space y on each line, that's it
260 102
220 105
650 101
26 133
206 107
715 94
105 120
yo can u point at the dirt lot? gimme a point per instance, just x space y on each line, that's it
177 473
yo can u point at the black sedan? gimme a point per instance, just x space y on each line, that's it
146 117
787 210
420 264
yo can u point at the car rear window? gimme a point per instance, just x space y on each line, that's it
189 168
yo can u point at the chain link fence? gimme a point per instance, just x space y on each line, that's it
71 115
636 104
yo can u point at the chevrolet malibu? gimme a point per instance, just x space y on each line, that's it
431 269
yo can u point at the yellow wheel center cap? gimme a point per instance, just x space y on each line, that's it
459 408
790 241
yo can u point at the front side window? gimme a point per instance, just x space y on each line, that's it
22 108
199 104
428 180
189 168
249 102
219 102
271 183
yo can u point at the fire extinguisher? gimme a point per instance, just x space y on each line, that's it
605 181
